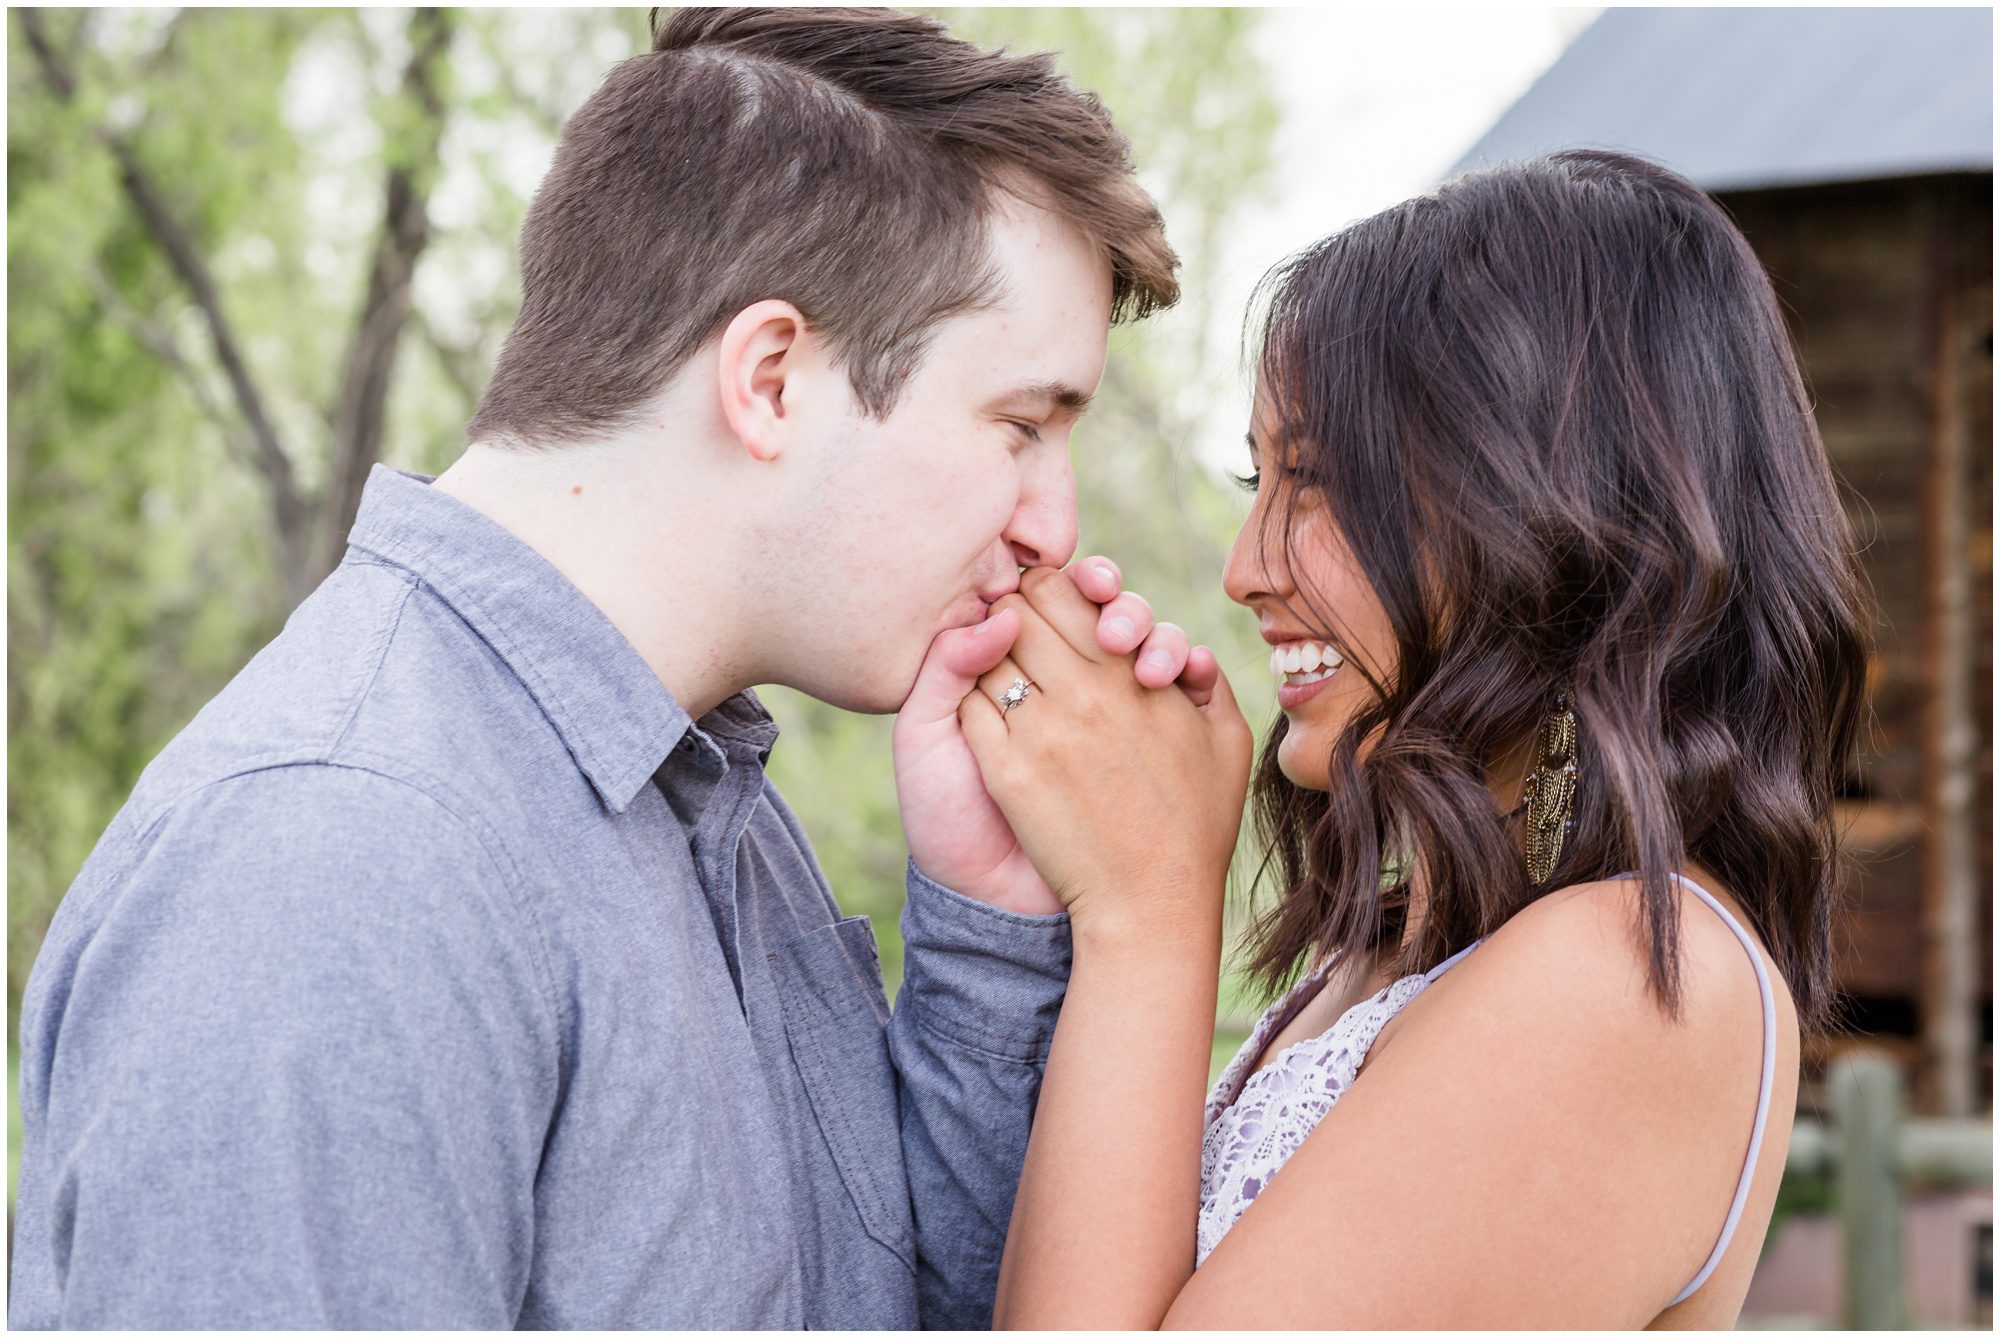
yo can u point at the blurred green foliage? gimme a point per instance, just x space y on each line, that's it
147 563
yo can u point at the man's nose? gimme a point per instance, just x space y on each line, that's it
1043 530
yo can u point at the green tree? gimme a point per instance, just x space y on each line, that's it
218 219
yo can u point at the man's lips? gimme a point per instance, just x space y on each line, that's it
975 616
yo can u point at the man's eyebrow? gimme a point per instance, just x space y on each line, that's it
1057 394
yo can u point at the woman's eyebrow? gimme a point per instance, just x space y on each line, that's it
1284 448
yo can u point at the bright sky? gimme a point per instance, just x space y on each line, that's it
1379 102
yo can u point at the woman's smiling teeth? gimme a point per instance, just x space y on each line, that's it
1304 661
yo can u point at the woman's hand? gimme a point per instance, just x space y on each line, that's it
956 832
1128 800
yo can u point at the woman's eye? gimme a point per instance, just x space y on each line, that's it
1254 480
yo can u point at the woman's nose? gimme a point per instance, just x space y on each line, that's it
1252 571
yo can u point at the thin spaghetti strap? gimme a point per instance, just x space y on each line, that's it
1451 961
1763 1090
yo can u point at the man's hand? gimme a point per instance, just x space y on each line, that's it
956 833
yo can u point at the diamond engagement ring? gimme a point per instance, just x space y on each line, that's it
1016 693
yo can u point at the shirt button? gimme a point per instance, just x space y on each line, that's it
687 745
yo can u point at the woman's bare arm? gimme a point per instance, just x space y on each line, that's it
1128 802
1103 1233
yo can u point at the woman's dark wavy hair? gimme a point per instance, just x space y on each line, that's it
1556 414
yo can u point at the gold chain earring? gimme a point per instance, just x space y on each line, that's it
1551 791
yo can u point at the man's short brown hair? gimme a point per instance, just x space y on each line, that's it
844 160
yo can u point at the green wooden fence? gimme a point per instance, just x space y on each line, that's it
1874 1153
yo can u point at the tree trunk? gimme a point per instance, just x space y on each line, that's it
361 410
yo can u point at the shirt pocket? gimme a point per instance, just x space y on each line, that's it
836 1023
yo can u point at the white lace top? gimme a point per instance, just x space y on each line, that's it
1252 1127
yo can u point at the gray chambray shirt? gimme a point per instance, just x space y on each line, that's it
443 973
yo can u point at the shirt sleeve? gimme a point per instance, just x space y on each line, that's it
295 1071
982 988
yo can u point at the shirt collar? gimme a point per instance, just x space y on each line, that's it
614 715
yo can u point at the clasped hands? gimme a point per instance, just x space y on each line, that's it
1124 767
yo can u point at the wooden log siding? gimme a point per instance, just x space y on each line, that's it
1857 268
1950 741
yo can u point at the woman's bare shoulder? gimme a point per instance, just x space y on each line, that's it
1574 1147
1596 932
1579 962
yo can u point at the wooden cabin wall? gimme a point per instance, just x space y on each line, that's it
1861 269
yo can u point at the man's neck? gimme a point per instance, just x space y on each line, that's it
643 535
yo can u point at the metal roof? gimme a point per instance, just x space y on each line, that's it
1743 98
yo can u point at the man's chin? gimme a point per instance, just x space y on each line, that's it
880 695
886 693
864 698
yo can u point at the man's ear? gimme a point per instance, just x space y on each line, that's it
757 359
